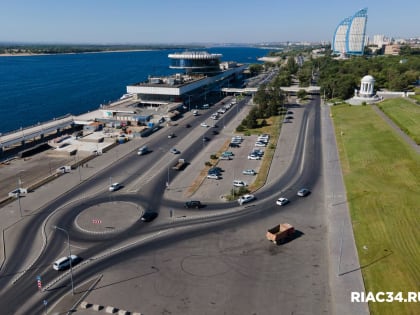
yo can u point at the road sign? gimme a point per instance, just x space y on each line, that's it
96 221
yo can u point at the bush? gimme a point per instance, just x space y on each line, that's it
207 163
213 157
240 128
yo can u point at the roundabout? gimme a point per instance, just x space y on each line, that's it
108 217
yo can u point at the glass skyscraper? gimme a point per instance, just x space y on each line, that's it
349 36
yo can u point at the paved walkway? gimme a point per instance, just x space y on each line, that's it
345 273
397 129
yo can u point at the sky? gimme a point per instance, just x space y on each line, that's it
197 21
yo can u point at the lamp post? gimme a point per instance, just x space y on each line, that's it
19 182
71 264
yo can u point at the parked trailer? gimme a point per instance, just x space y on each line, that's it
280 233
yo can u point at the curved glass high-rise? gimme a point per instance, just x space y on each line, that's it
349 36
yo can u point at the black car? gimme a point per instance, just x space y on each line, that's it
215 170
215 132
149 216
187 126
193 204
234 145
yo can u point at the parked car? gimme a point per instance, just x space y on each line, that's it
282 201
213 176
249 172
234 145
225 157
174 151
193 204
114 187
245 198
260 144
64 262
228 153
149 216
254 157
239 183
303 192
215 170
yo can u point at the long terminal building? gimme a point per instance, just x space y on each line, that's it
202 73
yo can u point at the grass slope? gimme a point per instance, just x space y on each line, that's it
405 114
382 178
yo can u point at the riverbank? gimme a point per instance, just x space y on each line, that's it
74 53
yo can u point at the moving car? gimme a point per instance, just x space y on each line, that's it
249 172
303 192
149 216
171 135
174 151
64 262
203 124
193 204
114 187
246 198
143 150
282 201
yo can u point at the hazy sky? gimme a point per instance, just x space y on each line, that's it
184 21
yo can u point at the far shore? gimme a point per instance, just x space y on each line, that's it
73 53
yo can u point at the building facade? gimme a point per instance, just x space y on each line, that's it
350 35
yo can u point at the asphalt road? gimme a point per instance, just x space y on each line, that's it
193 263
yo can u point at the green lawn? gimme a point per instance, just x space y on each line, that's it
382 178
405 114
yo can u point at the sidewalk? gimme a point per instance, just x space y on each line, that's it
345 273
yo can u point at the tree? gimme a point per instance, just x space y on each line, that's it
301 94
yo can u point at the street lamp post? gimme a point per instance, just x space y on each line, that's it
18 192
71 264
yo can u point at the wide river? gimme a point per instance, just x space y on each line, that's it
39 88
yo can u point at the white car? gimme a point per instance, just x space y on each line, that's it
260 144
213 176
254 157
204 125
249 172
239 183
174 151
246 198
64 262
282 201
114 187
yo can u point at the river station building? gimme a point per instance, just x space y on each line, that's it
202 73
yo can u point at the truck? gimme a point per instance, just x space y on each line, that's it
179 165
280 233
